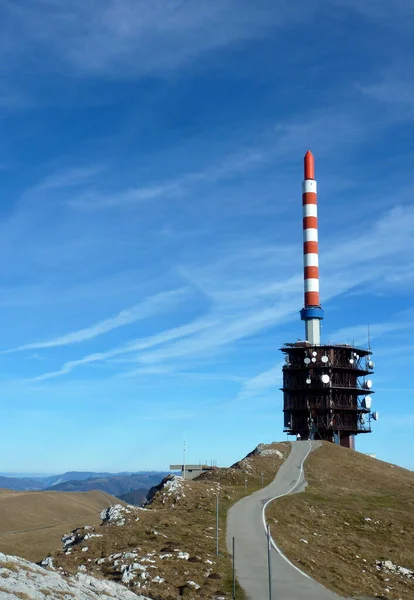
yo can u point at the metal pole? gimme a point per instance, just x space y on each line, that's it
217 524
184 461
269 562
262 477
234 575
245 485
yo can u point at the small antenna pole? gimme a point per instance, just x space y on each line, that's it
369 339
184 460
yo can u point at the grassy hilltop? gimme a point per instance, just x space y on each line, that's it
355 511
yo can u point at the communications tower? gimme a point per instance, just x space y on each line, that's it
326 387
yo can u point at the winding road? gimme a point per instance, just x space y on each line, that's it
246 523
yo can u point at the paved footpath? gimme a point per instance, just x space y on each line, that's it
245 524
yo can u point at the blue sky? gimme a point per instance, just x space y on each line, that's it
150 223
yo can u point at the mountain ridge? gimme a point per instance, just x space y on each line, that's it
80 481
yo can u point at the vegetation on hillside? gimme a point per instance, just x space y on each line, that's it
168 549
356 513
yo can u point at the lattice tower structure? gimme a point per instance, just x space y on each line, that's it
327 391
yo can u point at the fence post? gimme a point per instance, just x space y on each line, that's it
234 574
217 524
269 562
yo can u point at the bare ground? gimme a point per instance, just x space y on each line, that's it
355 511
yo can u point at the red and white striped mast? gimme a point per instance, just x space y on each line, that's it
312 312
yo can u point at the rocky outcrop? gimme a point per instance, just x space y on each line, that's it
22 579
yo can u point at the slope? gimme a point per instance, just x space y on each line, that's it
168 549
32 523
356 514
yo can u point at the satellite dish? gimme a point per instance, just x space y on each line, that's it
370 364
306 361
351 360
366 402
357 356
375 415
362 419
313 359
314 353
368 384
325 378
324 359
308 381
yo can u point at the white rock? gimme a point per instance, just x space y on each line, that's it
390 567
89 536
115 514
44 585
128 575
194 585
47 562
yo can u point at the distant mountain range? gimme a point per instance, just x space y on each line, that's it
116 484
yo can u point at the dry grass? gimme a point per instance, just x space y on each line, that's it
32 523
346 488
185 521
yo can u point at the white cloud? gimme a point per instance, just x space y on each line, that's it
261 383
150 306
244 298
69 178
134 37
278 142
132 347
358 334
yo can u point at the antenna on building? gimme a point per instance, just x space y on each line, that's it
184 459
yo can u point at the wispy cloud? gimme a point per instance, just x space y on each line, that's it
358 334
278 142
261 383
133 36
245 300
132 347
69 178
150 306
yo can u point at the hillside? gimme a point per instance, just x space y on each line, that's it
168 549
137 497
73 481
116 485
21 483
356 514
32 523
